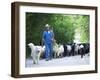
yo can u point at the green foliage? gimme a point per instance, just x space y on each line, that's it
64 27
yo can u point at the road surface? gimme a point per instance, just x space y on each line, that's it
65 61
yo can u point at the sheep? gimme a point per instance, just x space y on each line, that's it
55 49
81 50
58 50
76 49
65 50
69 48
42 52
36 52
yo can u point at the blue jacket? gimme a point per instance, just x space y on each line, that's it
48 36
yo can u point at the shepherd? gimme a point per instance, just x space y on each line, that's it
48 38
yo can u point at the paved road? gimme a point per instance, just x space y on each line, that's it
65 61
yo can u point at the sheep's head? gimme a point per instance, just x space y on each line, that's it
30 44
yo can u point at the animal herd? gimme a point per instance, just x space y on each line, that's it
59 50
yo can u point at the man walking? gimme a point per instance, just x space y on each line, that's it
48 37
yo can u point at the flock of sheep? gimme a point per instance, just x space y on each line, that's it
59 51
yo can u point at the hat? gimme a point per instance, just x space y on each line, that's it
47 25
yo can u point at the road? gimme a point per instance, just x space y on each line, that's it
65 61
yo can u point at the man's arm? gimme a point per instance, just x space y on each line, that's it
52 36
43 38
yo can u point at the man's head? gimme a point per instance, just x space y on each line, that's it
47 26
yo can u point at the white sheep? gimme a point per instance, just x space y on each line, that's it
76 49
36 52
55 49
69 48
42 52
58 50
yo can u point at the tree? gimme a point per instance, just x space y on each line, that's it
65 27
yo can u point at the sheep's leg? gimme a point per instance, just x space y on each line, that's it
68 53
55 54
81 53
34 60
75 52
61 55
58 55
38 57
